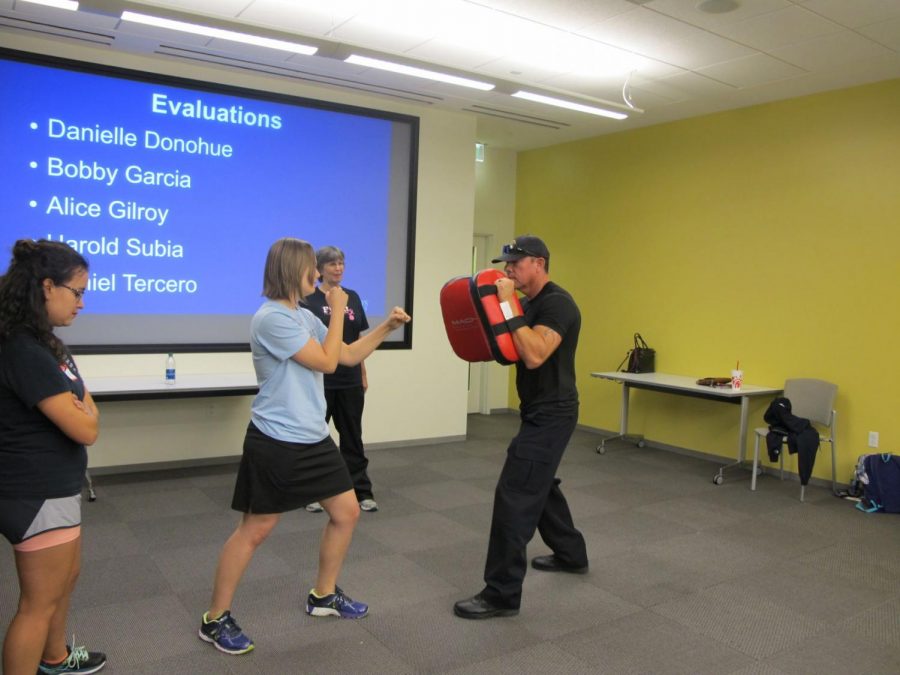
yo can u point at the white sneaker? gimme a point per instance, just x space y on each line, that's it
315 507
368 505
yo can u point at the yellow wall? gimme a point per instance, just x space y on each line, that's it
768 234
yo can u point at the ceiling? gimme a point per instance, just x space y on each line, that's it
655 60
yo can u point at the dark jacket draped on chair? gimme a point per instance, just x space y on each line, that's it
802 437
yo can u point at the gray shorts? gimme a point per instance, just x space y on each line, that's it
24 518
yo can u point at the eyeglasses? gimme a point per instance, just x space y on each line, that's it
77 292
518 250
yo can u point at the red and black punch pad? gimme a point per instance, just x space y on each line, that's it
474 321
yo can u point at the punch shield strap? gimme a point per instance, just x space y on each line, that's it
474 320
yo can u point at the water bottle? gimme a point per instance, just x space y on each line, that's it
170 369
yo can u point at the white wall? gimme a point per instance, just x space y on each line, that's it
414 394
495 213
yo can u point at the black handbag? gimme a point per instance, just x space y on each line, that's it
641 358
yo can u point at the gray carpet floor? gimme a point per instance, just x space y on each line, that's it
685 576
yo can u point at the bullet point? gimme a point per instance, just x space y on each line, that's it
32 203
34 125
33 165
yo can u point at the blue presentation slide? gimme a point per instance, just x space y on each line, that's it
175 195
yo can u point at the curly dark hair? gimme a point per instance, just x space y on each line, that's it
22 302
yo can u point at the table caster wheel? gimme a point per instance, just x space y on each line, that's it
641 444
718 479
601 449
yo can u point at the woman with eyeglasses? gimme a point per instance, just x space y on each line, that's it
47 417
289 459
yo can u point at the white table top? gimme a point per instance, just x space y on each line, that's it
685 383
149 385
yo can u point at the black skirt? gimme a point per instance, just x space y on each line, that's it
278 476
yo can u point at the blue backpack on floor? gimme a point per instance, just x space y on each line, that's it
880 480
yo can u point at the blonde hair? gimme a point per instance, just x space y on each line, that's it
288 262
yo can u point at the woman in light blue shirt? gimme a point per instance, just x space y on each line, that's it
289 458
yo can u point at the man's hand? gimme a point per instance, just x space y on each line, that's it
506 289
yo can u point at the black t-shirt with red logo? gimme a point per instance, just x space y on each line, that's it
355 322
37 460
550 389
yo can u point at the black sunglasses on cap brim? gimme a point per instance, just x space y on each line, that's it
518 250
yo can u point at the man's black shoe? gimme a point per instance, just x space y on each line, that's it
550 563
477 607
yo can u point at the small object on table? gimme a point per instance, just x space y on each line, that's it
714 381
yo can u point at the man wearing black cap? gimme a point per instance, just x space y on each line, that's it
528 495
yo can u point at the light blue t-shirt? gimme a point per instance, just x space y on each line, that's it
290 405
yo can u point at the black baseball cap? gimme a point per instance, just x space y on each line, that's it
523 247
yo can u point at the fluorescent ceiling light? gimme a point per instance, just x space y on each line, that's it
560 103
220 33
417 72
59 4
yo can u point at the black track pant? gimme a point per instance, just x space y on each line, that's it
528 498
346 407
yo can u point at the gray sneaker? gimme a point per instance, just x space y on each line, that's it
368 505
315 507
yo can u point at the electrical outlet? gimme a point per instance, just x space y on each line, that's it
873 439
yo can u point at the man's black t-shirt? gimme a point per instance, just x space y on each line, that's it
551 387
37 460
355 322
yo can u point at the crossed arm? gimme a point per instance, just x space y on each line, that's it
79 420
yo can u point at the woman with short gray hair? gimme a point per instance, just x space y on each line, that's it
345 388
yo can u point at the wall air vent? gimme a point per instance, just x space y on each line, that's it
516 117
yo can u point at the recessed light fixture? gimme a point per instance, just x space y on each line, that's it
562 103
59 4
220 33
417 72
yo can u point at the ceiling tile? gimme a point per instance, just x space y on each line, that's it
304 17
886 33
516 70
390 30
686 86
855 13
752 71
220 8
565 14
605 92
687 11
649 100
832 50
703 49
608 88
780 28
640 30
440 51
